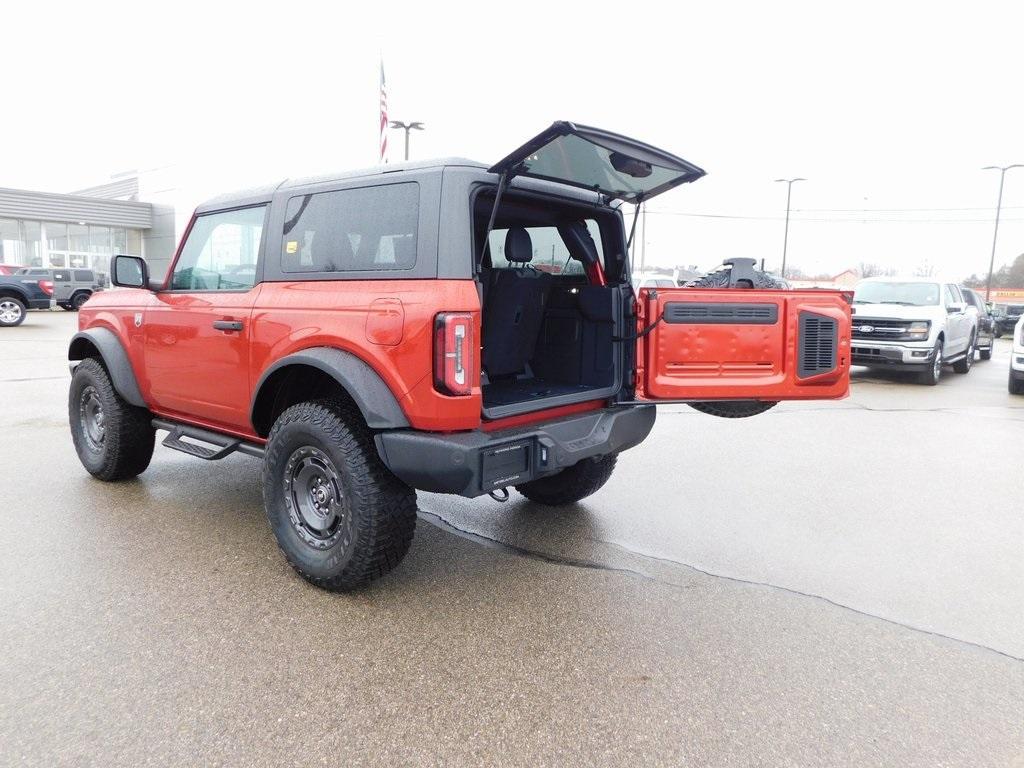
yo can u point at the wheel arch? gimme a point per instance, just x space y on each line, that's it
14 292
360 382
104 344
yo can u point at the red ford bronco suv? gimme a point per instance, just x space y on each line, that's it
442 326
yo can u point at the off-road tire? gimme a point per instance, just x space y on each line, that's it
735 409
964 364
1015 386
12 311
571 484
720 279
66 307
126 446
931 376
78 300
986 354
375 511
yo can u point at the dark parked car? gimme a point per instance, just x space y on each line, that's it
71 287
1006 317
986 323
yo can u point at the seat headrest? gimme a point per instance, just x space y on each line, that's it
518 245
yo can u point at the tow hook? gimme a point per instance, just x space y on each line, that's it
499 494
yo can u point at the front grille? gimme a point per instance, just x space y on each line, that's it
819 337
881 329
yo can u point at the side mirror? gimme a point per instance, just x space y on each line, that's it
956 307
129 272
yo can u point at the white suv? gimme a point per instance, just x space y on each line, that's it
918 324
1017 359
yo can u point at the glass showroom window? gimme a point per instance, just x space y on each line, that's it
11 249
134 243
57 243
31 238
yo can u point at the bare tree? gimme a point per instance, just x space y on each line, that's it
869 269
924 270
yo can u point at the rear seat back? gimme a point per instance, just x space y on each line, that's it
514 310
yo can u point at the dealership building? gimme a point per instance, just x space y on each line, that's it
85 228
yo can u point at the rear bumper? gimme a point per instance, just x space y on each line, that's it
474 463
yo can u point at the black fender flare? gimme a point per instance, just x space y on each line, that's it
115 360
364 385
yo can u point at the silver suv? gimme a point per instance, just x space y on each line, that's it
917 324
71 287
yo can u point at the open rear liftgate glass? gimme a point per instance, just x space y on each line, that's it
742 344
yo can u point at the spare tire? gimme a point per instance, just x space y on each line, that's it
721 277
734 409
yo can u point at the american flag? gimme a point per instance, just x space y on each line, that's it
383 117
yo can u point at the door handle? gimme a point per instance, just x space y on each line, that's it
227 325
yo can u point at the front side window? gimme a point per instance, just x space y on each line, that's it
952 295
220 252
352 230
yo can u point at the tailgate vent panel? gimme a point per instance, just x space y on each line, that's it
720 313
817 343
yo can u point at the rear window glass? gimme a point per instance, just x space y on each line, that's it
352 230
83 276
550 253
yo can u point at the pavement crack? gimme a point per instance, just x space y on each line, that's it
485 541
439 522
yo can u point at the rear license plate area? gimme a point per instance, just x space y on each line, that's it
505 465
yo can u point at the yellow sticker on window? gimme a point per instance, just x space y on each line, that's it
292 246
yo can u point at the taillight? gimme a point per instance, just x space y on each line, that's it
47 286
454 353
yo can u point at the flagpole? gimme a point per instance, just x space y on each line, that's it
383 117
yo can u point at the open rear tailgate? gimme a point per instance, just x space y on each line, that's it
742 344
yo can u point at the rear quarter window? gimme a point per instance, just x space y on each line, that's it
368 229
83 276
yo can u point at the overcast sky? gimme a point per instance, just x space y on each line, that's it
888 109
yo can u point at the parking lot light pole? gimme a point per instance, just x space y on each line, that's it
785 233
999 204
398 124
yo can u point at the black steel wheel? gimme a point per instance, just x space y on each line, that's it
113 438
12 311
340 517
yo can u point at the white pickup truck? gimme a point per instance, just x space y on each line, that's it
917 324
1017 359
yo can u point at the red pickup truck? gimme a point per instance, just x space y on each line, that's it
372 333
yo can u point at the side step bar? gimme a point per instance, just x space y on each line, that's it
218 445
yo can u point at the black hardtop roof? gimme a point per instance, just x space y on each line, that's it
264 193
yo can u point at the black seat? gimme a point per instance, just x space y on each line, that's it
515 308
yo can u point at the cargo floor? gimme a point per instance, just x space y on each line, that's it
509 391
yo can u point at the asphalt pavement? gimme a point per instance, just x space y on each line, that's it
825 584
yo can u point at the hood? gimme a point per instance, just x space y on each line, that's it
898 311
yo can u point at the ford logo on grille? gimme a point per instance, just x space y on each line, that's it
866 329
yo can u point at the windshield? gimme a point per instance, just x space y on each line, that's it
909 294
1015 309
